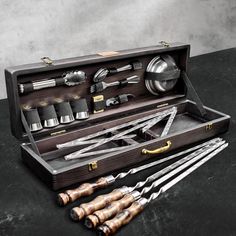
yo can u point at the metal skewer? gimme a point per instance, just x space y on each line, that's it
95 140
172 112
104 151
77 213
112 129
125 216
77 154
100 216
87 189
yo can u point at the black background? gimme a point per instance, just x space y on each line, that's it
202 204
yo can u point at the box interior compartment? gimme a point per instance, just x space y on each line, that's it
186 119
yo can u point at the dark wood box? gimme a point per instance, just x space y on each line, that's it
188 127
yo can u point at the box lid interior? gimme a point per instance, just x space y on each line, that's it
90 64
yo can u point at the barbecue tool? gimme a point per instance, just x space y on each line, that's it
76 154
116 137
172 112
100 86
100 216
95 140
112 129
77 213
125 216
70 79
104 151
102 73
87 189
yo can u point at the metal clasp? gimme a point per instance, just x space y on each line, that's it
158 150
47 61
164 44
209 126
92 165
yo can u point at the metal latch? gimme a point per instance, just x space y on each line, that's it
47 61
92 165
209 126
164 44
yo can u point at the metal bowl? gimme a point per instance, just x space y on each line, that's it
158 65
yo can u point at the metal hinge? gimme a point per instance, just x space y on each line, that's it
47 61
164 44
209 126
92 165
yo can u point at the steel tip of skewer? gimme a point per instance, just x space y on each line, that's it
76 213
68 157
91 221
62 199
62 145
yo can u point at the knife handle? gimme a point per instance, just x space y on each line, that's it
100 216
78 213
111 226
85 189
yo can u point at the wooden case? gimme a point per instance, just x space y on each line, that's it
188 127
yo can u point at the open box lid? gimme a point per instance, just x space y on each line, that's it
90 64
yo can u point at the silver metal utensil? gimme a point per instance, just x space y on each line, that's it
102 73
100 86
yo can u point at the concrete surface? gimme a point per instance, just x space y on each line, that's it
32 29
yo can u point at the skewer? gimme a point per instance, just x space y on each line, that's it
124 217
95 140
104 151
87 189
112 129
77 213
100 216
76 154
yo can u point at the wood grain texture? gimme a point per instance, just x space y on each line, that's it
78 213
85 189
112 226
100 216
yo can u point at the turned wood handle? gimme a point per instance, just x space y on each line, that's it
123 218
100 216
77 213
85 189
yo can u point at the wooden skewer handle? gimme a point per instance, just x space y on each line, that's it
111 226
83 190
77 213
100 216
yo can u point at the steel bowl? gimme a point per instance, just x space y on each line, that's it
158 65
